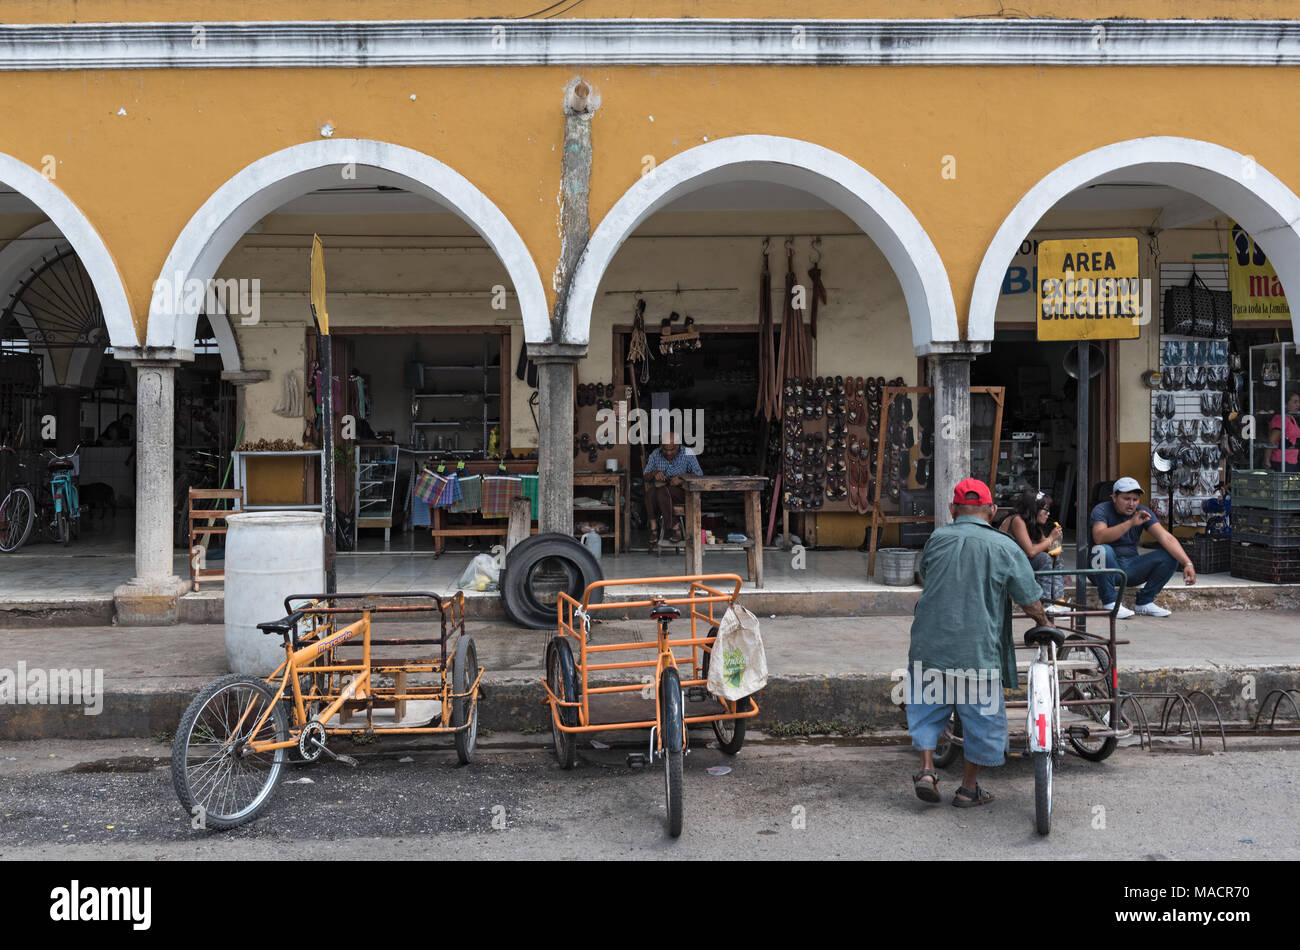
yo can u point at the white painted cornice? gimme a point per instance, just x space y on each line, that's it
648 42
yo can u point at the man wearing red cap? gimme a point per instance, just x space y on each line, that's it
961 638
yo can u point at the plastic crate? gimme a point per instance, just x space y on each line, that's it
1258 562
1275 491
1278 529
1210 554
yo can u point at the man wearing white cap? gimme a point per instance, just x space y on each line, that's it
1117 527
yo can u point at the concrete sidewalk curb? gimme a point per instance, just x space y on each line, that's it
514 703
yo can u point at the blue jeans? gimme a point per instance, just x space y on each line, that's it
1053 587
1154 567
983 727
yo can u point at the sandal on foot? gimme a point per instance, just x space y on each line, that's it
927 791
965 798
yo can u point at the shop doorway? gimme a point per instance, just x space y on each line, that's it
1039 443
713 389
417 397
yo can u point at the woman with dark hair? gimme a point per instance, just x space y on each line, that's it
1284 433
1028 525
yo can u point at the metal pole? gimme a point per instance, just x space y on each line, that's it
325 349
1083 488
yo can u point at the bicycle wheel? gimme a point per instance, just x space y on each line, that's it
465 710
562 680
1043 792
19 511
1075 686
947 748
670 730
216 779
730 732
64 528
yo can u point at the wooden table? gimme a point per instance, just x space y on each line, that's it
751 486
617 481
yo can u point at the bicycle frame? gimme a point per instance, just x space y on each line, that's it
1080 638
1050 667
353 682
1043 703
574 622
64 491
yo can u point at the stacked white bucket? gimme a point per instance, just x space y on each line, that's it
269 555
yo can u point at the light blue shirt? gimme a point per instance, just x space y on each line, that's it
684 464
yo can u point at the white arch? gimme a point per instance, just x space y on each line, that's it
835 179
81 234
269 182
1230 181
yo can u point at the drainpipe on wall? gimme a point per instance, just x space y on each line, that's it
556 360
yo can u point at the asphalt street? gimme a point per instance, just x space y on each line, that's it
808 799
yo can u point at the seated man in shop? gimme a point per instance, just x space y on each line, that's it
118 432
1117 527
663 484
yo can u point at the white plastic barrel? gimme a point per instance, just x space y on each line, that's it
269 555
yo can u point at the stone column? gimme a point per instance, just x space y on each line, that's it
557 367
149 598
949 366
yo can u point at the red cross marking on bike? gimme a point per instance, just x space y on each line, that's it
1042 729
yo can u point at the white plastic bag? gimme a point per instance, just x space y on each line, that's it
481 574
738 666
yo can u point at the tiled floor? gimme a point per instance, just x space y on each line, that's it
94 568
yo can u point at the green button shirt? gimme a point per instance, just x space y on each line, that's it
972 573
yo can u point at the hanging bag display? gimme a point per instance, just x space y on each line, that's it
1196 310
425 485
1179 316
446 491
1202 307
471 494
498 492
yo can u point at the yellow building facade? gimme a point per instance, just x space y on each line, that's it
929 151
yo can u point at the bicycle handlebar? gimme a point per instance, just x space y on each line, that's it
62 458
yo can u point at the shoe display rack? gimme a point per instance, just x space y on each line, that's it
590 454
893 448
830 448
1198 389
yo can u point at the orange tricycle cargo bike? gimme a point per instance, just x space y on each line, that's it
680 669
233 742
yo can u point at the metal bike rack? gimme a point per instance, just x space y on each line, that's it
1191 721
1277 695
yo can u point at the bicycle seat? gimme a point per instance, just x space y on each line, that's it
1037 636
60 465
662 611
283 627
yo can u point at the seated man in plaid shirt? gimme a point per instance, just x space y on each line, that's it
663 484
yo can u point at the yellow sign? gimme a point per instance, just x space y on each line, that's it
318 285
1256 292
1088 289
